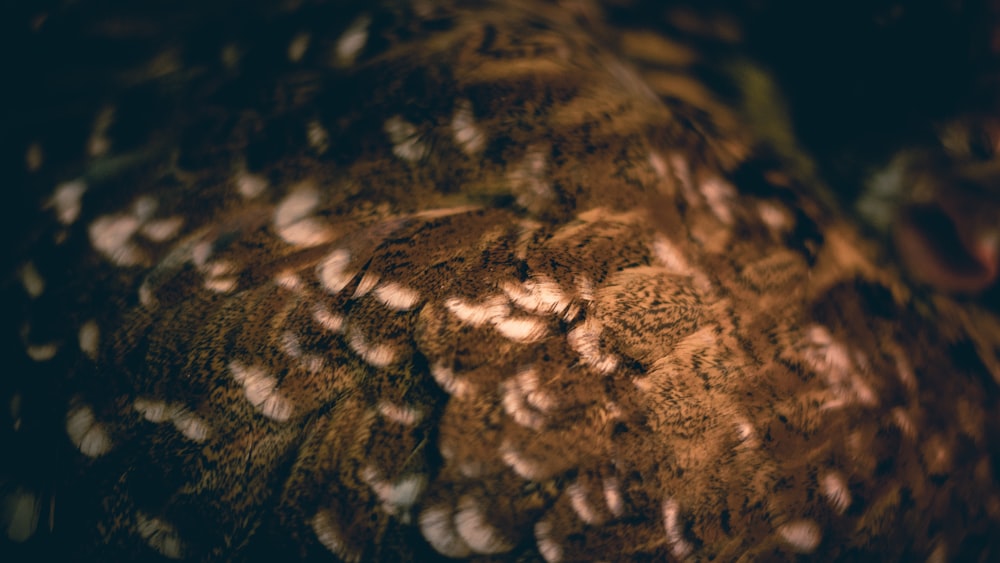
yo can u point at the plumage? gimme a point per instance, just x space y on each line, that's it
415 281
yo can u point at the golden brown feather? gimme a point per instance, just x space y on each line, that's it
445 280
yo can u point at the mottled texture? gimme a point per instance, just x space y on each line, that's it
426 280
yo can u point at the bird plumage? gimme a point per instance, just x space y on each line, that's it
450 280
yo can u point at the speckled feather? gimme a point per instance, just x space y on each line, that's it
447 280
